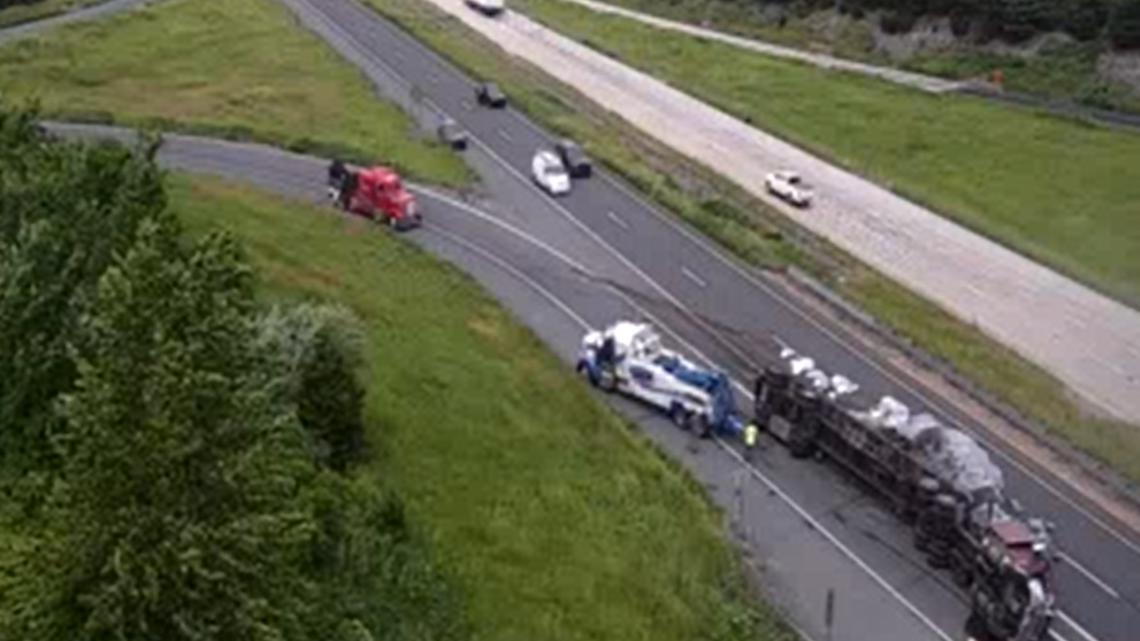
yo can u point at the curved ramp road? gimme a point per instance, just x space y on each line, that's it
601 253
101 10
1089 341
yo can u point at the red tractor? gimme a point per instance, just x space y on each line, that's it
376 192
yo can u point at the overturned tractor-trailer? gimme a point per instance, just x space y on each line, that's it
936 478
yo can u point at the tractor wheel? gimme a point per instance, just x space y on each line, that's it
977 629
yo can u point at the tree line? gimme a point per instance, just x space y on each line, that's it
1117 22
176 457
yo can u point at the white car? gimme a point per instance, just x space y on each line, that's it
789 186
550 173
487 7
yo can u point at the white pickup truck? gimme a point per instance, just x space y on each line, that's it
487 7
550 173
789 186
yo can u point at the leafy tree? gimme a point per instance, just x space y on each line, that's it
1020 19
178 515
1124 26
377 580
65 211
1085 19
318 351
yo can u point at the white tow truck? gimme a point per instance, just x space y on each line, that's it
628 357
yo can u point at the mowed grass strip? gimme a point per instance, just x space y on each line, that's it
242 68
558 520
1062 192
12 14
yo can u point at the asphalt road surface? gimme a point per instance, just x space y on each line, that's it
602 253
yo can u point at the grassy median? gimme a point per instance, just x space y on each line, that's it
763 237
239 69
1059 191
557 520
14 14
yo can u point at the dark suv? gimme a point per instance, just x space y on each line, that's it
573 158
489 95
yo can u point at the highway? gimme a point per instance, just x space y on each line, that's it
602 253
1088 341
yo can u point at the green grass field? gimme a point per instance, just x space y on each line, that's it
242 69
19 13
1062 192
558 520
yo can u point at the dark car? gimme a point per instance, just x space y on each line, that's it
489 95
574 159
452 135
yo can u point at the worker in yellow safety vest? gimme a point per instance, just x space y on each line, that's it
751 435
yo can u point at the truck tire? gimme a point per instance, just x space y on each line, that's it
801 440
679 416
584 372
963 578
976 628
701 425
938 554
921 539
608 382
800 447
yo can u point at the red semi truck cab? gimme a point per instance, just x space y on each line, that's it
378 193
